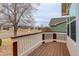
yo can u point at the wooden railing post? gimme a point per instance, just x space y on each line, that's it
15 49
43 37
54 36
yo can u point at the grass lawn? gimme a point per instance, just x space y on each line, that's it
10 33
2 31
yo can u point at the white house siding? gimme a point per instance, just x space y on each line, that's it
74 46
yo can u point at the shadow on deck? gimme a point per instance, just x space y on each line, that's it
51 49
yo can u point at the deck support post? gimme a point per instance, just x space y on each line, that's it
15 49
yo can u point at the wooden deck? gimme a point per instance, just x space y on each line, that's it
51 49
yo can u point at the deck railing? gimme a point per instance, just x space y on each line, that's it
25 44
49 36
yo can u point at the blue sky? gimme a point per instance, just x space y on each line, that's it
45 12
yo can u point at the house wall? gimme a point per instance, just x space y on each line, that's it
59 28
74 46
77 28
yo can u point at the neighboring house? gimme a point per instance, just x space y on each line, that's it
58 24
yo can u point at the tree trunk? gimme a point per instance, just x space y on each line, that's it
15 30
15 25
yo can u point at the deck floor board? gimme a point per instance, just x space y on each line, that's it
51 49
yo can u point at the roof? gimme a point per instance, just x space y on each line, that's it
55 21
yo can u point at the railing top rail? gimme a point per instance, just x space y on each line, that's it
26 35
35 34
55 32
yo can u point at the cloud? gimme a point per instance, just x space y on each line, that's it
47 11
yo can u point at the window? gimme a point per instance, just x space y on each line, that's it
73 30
71 27
68 29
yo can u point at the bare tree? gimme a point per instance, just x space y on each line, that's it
14 12
29 21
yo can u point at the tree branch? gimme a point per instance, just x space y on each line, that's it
7 7
21 15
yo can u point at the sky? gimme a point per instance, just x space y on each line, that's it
72 10
45 12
